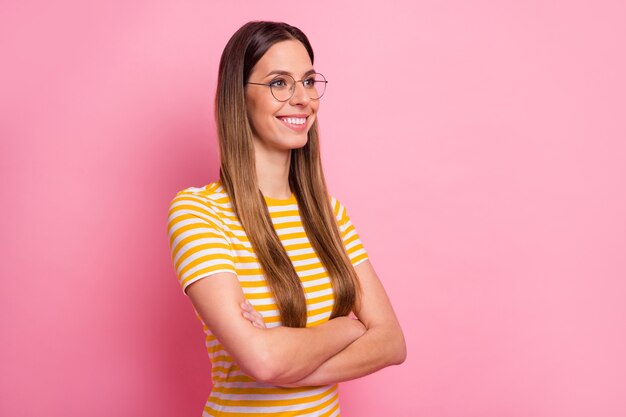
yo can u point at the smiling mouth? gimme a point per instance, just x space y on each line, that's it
293 120
294 123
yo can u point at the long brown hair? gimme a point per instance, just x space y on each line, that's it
306 179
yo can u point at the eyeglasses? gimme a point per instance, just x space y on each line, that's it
283 86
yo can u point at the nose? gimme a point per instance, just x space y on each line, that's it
300 95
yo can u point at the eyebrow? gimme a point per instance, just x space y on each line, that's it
281 72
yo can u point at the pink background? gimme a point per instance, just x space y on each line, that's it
479 148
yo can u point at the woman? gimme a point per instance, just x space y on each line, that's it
284 266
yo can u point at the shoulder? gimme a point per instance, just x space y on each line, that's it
338 208
212 193
209 202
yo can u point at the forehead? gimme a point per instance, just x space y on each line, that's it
290 56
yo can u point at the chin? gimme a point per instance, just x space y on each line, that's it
301 143
292 141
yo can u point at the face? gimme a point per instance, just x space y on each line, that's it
269 117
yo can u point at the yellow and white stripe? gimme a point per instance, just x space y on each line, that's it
205 238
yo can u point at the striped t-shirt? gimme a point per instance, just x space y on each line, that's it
205 238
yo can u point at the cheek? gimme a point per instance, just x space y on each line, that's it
262 119
260 108
315 105
255 113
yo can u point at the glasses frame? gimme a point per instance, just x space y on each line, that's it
293 90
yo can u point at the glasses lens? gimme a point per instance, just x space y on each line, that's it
282 87
315 85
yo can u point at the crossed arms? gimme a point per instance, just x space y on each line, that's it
338 350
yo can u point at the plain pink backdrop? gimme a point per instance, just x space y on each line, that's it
478 146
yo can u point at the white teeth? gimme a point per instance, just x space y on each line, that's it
295 120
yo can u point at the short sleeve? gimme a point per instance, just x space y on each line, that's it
351 240
198 245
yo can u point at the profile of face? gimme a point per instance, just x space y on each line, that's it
280 125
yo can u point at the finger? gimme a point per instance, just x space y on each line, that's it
256 321
258 316
250 309
248 317
253 315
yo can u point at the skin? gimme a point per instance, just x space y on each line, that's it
380 346
278 355
341 349
273 140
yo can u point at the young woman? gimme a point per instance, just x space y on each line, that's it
273 266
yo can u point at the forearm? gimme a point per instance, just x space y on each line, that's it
379 347
296 352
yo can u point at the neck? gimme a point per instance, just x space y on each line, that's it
272 170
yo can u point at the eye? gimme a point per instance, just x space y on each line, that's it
278 83
309 82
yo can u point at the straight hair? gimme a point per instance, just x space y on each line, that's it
306 180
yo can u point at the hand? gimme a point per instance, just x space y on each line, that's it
253 316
